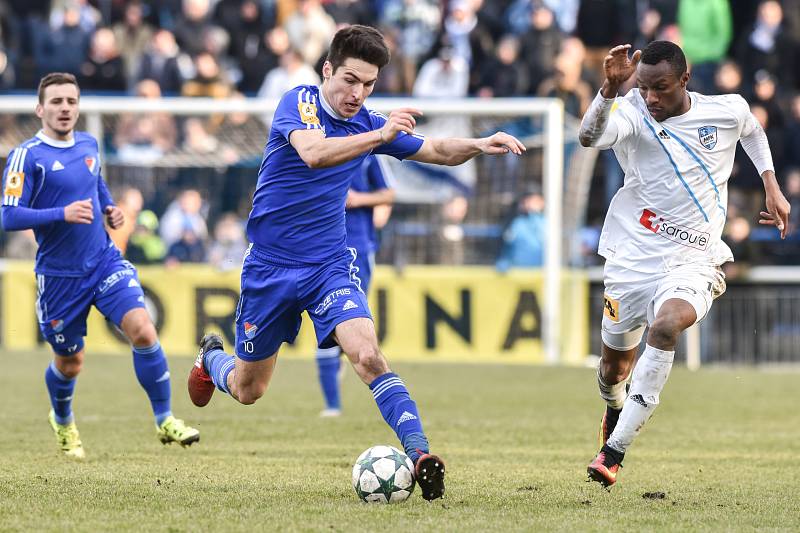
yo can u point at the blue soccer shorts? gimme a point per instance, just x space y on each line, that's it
63 303
274 293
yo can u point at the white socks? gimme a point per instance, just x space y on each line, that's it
649 376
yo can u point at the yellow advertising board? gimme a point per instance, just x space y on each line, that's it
434 313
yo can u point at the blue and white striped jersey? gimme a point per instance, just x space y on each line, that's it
298 212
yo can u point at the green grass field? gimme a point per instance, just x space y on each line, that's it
723 447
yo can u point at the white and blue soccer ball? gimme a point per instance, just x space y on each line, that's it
383 474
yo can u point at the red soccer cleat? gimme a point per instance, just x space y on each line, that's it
605 466
429 473
201 387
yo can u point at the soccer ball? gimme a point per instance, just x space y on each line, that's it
383 474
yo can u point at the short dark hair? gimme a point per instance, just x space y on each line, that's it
56 78
359 42
658 51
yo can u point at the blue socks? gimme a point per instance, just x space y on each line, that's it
61 389
328 364
152 372
400 412
218 365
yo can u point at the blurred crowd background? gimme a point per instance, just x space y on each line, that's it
186 183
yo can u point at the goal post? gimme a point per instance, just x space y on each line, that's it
97 113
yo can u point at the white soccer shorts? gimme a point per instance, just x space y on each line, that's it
632 299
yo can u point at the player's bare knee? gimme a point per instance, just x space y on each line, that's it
371 363
664 332
71 366
614 371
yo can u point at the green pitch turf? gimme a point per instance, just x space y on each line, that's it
721 453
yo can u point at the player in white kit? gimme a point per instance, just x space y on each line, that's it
662 233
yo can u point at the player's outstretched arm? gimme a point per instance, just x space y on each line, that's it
318 151
454 151
618 68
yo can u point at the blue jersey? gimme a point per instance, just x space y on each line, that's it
298 212
42 176
360 226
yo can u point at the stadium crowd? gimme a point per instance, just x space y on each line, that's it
440 49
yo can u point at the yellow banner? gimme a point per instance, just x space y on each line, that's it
421 313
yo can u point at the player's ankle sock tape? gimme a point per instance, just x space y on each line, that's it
152 371
649 377
399 411
61 390
614 395
218 365
329 380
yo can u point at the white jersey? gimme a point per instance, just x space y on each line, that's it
671 208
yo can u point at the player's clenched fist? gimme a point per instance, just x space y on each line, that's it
399 120
114 217
501 143
79 212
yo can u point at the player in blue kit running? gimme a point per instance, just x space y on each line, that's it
298 259
53 185
368 190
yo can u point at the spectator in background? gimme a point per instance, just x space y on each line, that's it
443 76
145 247
350 12
728 79
451 231
130 202
290 73
193 27
600 25
792 148
540 45
310 30
189 248
504 75
793 195
64 48
229 244
766 45
199 141
415 24
470 39
248 45
186 211
765 95
103 70
737 236
144 138
208 81
133 36
524 239
89 18
706 31
568 86
162 63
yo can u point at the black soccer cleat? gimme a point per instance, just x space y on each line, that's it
608 423
429 473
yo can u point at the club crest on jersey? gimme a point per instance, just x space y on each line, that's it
250 330
91 163
708 136
57 325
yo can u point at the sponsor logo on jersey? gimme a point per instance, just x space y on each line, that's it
349 304
14 181
57 165
331 299
250 330
611 308
684 235
308 113
57 325
663 135
405 417
708 136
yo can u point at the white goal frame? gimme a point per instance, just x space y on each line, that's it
551 109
